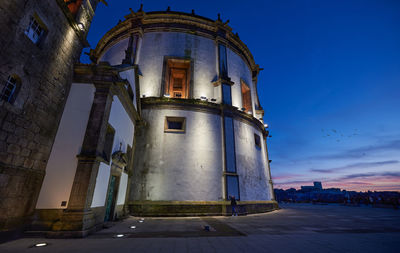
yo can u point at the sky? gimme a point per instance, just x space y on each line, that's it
330 86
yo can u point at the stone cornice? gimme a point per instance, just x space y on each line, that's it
201 106
170 21
221 80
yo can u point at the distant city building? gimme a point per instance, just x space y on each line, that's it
316 194
316 187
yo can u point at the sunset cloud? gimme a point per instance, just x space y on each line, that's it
355 165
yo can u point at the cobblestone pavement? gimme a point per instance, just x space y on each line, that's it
294 228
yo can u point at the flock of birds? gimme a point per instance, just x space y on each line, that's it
333 133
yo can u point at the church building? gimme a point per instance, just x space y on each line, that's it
165 121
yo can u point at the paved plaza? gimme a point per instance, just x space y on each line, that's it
293 228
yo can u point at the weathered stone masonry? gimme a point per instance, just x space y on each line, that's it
28 126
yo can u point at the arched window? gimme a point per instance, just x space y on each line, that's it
11 88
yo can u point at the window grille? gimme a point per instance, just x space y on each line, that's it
9 89
34 31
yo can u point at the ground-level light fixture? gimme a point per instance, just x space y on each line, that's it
119 235
133 227
41 244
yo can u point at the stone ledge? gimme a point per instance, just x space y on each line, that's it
197 208
201 106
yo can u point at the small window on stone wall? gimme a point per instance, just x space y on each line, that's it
177 79
108 143
175 125
11 88
36 29
257 141
246 97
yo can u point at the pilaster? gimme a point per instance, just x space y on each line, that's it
78 216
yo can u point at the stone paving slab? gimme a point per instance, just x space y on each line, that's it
294 228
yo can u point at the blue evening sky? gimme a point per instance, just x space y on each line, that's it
330 86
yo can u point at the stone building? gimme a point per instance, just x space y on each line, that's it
166 119
40 41
203 137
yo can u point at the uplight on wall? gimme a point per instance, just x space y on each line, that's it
81 27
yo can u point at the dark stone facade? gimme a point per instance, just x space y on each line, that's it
28 125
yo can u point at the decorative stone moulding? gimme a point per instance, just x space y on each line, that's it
172 21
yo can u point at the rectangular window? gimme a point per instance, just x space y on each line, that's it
223 70
177 79
226 94
36 29
246 97
232 187
175 125
229 145
257 141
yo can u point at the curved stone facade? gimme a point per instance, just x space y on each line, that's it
202 139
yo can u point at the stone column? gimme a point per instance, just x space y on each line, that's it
78 215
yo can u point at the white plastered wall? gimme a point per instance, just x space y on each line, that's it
124 132
116 53
123 183
130 76
100 190
61 167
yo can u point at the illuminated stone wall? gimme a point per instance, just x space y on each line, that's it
28 126
251 163
156 45
238 70
178 166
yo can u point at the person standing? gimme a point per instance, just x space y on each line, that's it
234 206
